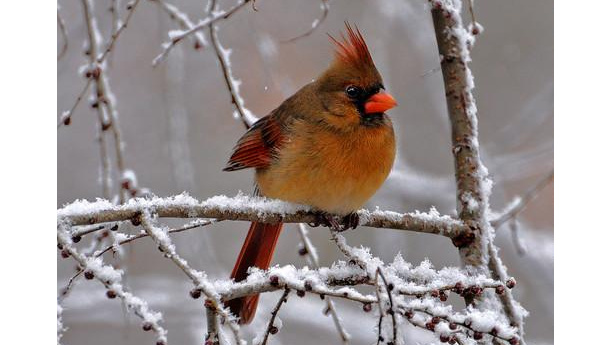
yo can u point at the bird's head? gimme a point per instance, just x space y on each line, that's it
351 89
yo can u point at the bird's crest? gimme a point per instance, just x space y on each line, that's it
353 49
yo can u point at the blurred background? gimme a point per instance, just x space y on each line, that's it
179 130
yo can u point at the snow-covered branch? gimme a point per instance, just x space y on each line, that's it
112 280
473 183
222 54
182 20
178 36
247 208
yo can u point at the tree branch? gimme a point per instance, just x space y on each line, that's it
177 37
519 203
246 208
316 23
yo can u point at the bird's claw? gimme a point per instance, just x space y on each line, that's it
326 219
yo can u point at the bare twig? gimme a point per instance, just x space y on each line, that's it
64 36
324 5
103 96
117 30
271 328
312 257
66 117
519 203
391 311
212 18
513 224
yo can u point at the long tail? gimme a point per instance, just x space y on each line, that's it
257 250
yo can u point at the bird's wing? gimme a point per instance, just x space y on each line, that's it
258 147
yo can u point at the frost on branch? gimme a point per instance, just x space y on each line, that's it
410 294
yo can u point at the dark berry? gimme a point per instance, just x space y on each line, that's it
477 335
273 330
89 275
147 326
435 320
452 326
300 293
308 286
195 293
500 290
110 294
444 338
367 307
65 254
302 251
430 326
275 281
514 341
511 283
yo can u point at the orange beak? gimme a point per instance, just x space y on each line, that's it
379 103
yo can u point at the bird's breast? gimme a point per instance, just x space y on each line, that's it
334 172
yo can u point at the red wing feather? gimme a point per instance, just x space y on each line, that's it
257 148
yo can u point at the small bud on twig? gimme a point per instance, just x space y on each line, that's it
367 307
195 293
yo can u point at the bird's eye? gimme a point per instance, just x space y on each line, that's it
353 91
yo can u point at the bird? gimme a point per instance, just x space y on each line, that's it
330 146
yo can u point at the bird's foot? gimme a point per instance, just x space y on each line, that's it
352 220
326 219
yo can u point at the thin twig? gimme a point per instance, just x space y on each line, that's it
379 273
223 59
64 36
66 117
182 20
209 20
270 327
312 257
513 224
324 5
520 203
116 33
111 279
95 73
199 279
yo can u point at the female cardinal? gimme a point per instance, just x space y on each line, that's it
330 146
